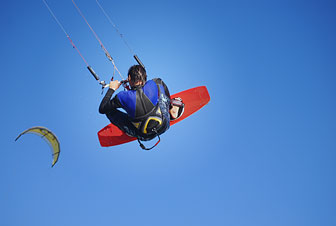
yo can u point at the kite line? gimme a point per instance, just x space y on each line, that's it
121 35
107 54
102 83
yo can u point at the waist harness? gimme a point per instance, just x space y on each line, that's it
149 118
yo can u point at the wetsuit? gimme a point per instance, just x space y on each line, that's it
139 104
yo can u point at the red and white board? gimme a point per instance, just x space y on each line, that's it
194 99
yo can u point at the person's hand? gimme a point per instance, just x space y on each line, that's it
114 85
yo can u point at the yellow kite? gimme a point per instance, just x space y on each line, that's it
49 137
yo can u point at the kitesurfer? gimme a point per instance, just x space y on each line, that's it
147 105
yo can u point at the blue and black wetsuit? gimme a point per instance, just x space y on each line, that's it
147 109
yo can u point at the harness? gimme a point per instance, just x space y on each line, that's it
149 118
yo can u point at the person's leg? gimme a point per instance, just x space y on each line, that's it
164 104
122 121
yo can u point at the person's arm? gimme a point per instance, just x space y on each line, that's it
107 104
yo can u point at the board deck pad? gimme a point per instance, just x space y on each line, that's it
194 99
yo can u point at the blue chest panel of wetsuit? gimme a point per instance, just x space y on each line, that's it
128 98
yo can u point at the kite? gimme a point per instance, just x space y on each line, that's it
49 137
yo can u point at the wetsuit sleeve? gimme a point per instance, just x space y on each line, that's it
107 104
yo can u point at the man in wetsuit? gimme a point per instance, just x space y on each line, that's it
147 105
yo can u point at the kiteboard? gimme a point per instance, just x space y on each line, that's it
194 99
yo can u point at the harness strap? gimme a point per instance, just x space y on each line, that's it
148 111
147 149
142 122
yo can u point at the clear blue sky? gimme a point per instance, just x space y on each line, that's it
262 152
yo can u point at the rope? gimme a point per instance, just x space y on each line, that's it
147 149
98 39
115 27
61 26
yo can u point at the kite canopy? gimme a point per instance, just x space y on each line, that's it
49 137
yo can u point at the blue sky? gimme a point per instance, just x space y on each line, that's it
262 152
